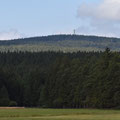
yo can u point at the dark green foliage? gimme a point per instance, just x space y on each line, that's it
12 104
4 98
60 80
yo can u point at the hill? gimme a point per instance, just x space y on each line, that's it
65 43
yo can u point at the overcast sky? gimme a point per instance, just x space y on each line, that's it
25 18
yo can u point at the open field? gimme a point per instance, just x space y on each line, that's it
58 114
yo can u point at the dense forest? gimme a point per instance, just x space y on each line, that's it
65 43
60 80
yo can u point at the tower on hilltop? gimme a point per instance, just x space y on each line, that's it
74 32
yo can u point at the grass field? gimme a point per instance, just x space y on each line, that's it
58 114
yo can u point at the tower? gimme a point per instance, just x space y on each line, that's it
74 32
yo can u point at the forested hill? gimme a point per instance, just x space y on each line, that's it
65 43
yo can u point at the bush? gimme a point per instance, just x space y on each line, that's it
13 104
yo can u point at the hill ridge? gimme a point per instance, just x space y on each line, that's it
66 43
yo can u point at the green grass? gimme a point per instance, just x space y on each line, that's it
59 114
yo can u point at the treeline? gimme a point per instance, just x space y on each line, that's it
60 80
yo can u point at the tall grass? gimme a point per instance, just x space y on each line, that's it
59 114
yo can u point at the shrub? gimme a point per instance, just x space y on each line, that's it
13 103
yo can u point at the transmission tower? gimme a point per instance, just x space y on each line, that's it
74 32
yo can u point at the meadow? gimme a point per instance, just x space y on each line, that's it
58 114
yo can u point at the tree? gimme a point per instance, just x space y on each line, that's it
4 97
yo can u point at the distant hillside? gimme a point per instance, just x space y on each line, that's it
65 43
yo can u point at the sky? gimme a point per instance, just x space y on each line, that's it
28 18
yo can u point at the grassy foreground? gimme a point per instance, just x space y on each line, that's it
58 114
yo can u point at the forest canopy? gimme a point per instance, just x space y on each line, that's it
60 80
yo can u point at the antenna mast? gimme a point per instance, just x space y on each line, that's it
74 32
